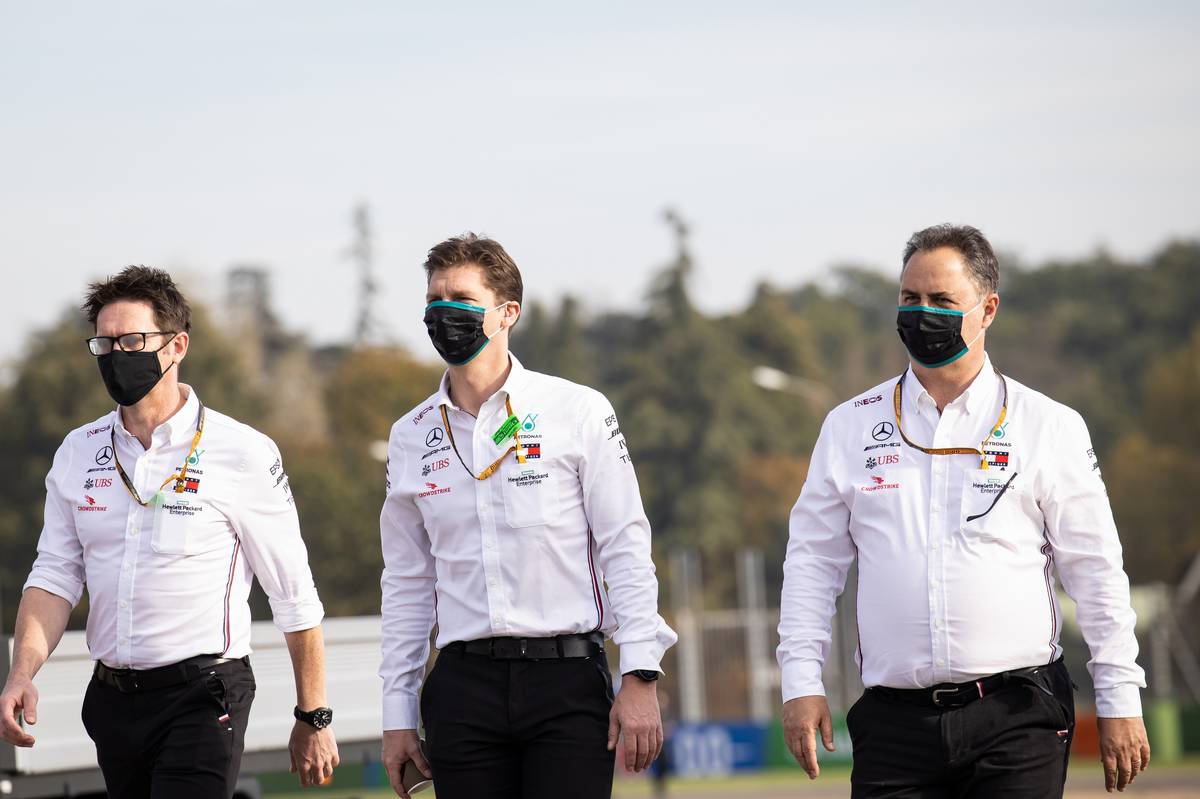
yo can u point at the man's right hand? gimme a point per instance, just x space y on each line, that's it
18 698
400 746
802 717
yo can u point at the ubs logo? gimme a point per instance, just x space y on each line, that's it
434 438
104 456
883 431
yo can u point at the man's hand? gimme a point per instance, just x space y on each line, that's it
802 717
400 746
1124 750
314 754
18 698
635 715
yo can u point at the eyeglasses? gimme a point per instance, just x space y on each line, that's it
129 342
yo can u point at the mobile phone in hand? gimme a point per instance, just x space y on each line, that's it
411 777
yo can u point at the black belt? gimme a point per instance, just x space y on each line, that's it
131 680
949 694
579 645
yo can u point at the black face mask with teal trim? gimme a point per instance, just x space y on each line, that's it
933 336
456 330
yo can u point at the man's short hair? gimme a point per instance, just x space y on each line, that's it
970 242
500 273
145 284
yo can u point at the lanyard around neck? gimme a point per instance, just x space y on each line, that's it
983 464
489 471
180 477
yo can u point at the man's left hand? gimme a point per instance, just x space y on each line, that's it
314 754
1124 750
636 717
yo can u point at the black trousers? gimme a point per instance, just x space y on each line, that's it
518 729
1012 743
181 742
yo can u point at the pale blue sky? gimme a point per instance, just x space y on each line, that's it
792 135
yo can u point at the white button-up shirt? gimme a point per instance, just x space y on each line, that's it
948 590
170 582
559 544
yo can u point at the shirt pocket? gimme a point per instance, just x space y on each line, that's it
531 495
995 507
186 527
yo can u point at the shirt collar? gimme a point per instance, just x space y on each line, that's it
180 427
517 377
975 398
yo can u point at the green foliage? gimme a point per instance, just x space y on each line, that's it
720 458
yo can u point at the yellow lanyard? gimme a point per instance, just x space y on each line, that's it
983 464
489 471
180 477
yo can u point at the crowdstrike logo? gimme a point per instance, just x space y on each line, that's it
434 490
91 504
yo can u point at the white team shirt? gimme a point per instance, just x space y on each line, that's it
169 583
948 590
557 545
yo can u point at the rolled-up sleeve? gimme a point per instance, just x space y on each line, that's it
1087 553
613 504
59 565
268 527
819 553
408 598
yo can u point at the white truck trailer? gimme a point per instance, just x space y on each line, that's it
63 761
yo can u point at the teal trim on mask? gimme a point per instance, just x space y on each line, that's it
468 360
943 311
945 362
462 306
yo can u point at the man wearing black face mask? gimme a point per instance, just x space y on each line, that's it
960 492
166 511
513 522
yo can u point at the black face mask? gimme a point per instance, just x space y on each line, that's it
456 330
129 376
933 336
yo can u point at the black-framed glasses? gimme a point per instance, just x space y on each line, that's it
129 342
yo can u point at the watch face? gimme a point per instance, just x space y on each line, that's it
322 718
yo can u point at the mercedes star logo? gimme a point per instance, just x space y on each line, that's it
104 456
434 438
883 431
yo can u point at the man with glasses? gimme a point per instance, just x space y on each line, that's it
166 511
513 522
959 491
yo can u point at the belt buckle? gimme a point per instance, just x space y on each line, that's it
127 682
936 700
524 646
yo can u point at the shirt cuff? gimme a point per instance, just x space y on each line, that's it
71 594
801 678
400 712
1118 701
300 613
641 655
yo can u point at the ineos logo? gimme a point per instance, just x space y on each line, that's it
434 438
104 456
883 431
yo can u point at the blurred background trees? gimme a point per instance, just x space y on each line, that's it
720 411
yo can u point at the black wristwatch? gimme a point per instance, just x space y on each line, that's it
645 675
320 718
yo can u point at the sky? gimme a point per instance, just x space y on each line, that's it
792 136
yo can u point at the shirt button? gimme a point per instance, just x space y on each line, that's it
124 604
941 662
933 582
935 545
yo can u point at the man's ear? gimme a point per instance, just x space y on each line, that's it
512 313
990 306
179 347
